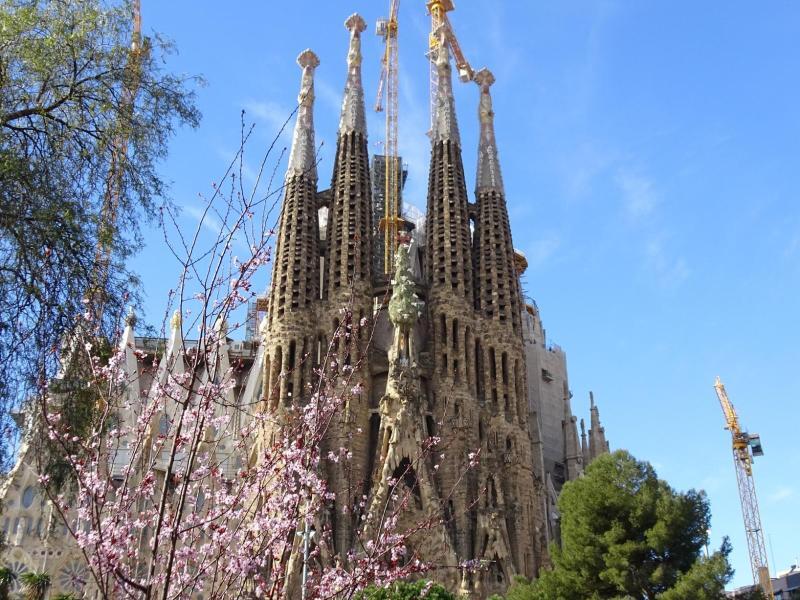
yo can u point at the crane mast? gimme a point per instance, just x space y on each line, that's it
442 33
745 447
391 221
119 152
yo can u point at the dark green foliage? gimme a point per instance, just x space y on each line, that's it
521 589
34 585
627 534
7 579
404 590
64 71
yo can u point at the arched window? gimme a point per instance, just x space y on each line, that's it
28 496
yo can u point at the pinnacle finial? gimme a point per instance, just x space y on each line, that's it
485 79
302 159
307 59
489 176
130 317
353 113
221 326
445 124
175 321
591 399
355 24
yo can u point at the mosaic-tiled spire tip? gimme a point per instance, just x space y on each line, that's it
353 112
445 125
489 176
302 160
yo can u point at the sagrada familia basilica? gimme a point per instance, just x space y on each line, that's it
455 352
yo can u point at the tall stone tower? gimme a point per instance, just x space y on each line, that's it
295 287
448 266
518 512
346 311
446 355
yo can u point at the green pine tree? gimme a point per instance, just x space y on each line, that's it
625 534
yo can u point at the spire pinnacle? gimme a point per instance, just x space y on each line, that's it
175 321
302 159
445 125
489 176
353 118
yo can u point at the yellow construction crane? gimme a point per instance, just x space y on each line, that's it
391 221
442 33
745 447
119 152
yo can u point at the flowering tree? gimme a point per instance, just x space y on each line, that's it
168 470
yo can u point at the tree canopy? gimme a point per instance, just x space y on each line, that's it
625 534
404 590
84 121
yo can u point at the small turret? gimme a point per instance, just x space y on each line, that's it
597 433
584 445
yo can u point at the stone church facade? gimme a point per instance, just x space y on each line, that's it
447 348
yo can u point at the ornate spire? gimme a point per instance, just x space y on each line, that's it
489 176
445 125
302 160
353 118
597 433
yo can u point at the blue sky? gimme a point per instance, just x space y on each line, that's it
651 156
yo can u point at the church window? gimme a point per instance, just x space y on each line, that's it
28 496
431 426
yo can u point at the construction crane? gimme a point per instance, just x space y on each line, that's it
745 447
119 151
391 221
442 33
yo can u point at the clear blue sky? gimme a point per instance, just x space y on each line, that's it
651 155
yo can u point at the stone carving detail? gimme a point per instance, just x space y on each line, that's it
489 176
302 160
445 124
353 118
